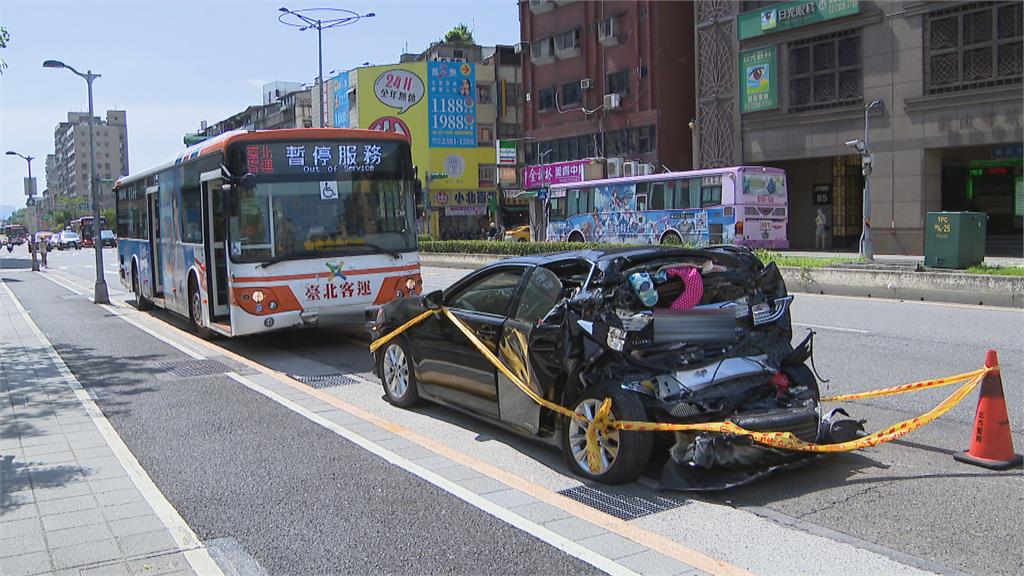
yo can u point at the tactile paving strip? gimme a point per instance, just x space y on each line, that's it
191 368
622 506
326 380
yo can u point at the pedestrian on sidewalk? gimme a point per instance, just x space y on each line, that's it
820 230
42 251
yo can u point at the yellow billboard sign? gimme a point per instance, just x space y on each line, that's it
461 165
393 98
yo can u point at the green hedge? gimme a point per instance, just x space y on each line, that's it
503 248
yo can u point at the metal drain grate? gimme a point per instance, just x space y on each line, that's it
326 380
622 506
191 368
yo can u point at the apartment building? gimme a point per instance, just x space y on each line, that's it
70 166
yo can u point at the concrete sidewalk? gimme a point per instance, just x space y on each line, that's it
73 500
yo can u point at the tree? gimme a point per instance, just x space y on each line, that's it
460 34
109 215
4 38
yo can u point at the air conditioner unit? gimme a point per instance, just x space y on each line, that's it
541 6
608 31
629 168
614 167
646 169
612 101
586 83
518 47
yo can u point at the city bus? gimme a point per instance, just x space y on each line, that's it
261 230
744 205
15 233
83 227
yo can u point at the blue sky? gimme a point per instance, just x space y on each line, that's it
172 64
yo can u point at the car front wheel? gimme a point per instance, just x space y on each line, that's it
397 376
623 454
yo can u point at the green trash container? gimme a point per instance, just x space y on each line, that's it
954 239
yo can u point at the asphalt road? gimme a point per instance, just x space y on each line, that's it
240 467
909 496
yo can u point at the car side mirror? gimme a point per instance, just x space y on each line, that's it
433 300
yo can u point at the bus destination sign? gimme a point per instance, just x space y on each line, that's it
279 158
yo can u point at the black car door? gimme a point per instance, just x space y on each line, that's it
530 348
449 367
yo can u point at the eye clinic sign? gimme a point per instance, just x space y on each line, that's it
788 15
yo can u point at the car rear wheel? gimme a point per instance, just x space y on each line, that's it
624 454
397 376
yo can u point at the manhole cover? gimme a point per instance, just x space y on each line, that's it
622 506
190 368
326 380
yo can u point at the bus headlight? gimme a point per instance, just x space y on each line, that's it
410 284
272 305
258 296
398 294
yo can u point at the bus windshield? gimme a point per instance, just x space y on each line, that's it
301 219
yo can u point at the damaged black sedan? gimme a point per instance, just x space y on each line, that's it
670 334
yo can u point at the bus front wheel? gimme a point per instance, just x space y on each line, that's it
576 237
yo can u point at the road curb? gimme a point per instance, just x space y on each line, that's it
952 287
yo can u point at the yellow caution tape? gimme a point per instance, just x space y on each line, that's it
893 390
604 421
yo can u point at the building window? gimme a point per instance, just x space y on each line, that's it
488 175
617 83
508 130
567 44
546 99
484 94
973 46
825 72
485 135
571 93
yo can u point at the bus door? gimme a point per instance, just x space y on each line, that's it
155 244
216 242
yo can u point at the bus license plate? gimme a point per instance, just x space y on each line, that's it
766 225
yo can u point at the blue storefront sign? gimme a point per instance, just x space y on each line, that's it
451 94
340 97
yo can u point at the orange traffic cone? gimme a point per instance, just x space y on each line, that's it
991 444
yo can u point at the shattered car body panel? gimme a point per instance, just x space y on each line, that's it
634 324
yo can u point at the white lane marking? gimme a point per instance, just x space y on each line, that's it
124 315
836 328
186 540
544 534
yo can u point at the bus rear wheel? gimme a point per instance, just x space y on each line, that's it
576 237
671 239
140 301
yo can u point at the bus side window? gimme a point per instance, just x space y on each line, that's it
657 197
710 195
640 195
693 187
587 200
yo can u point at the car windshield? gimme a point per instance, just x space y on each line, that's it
70 236
299 219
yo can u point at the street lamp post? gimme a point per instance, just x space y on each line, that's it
35 260
302 21
867 246
100 295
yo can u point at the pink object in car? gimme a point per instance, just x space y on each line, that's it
693 287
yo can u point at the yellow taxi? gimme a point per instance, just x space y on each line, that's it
518 234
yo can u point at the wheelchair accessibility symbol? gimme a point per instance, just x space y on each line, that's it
328 191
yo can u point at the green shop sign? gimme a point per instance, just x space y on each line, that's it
792 15
759 85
